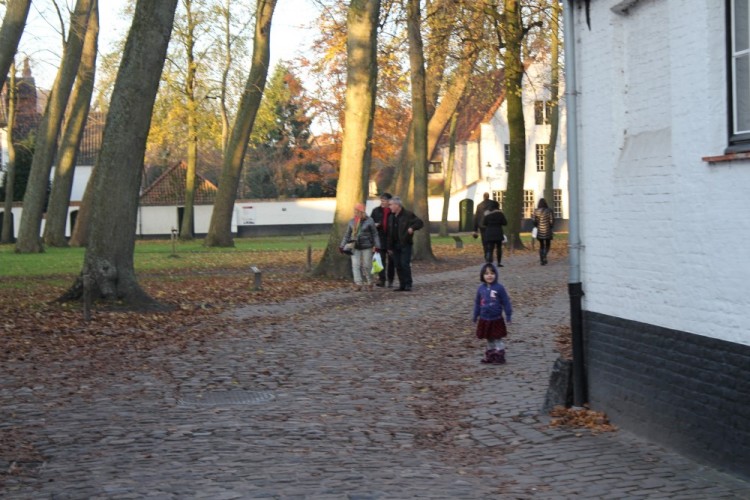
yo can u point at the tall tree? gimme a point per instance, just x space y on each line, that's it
448 179
549 153
59 201
422 245
108 269
356 151
49 128
192 20
14 22
10 175
220 229
510 34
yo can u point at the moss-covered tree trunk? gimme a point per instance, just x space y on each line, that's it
448 179
422 241
549 154
10 174
59 201
362 67
220 229
108 268
186 230
45 147
14 22
517 128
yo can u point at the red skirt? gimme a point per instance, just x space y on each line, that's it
491 329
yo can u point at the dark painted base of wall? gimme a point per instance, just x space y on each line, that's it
688 392
282 230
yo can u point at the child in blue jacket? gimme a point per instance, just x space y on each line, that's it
490 303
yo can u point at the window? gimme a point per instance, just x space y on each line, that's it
739 68
541 150
499 196
542 112
435 167
528 203
507 156
557 203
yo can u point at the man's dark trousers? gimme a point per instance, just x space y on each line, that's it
402 260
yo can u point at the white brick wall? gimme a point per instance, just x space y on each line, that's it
665 233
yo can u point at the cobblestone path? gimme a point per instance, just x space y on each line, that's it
347 394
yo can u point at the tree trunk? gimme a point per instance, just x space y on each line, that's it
403 183
362 67
449 102
80 234
549 154
517 166
224 112
108 270
448 182
186 231
49 128
14 23
7 235
220 229
59 201
422 245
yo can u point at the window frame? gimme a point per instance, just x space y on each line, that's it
541 157
738 141
529 203
557 203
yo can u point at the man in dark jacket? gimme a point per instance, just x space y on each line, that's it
479 225
494 220
402 224
380 216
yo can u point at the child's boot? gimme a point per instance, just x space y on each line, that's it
488 356
498 357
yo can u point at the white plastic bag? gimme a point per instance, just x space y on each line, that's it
534 232
377 263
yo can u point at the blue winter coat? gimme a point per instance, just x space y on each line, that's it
491 301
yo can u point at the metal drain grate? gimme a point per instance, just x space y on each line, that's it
227 398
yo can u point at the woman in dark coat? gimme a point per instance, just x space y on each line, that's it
543 222
494 220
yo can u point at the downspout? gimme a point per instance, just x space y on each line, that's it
575 288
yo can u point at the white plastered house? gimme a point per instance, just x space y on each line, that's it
663 167
482 144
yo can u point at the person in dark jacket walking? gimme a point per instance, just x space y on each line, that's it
380 216
543 222
494 220
490 302
402 225
479 226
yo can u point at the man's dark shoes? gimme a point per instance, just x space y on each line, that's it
403 289
381 284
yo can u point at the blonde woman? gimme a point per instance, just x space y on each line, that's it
362 235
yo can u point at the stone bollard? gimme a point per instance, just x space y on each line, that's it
257 276
560 389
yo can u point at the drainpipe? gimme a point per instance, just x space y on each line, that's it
575 288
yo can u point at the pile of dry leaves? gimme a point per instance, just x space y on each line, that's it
595 421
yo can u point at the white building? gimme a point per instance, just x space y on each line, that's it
663 166
482 145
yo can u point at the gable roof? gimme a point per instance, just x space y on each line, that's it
478 104
169 188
